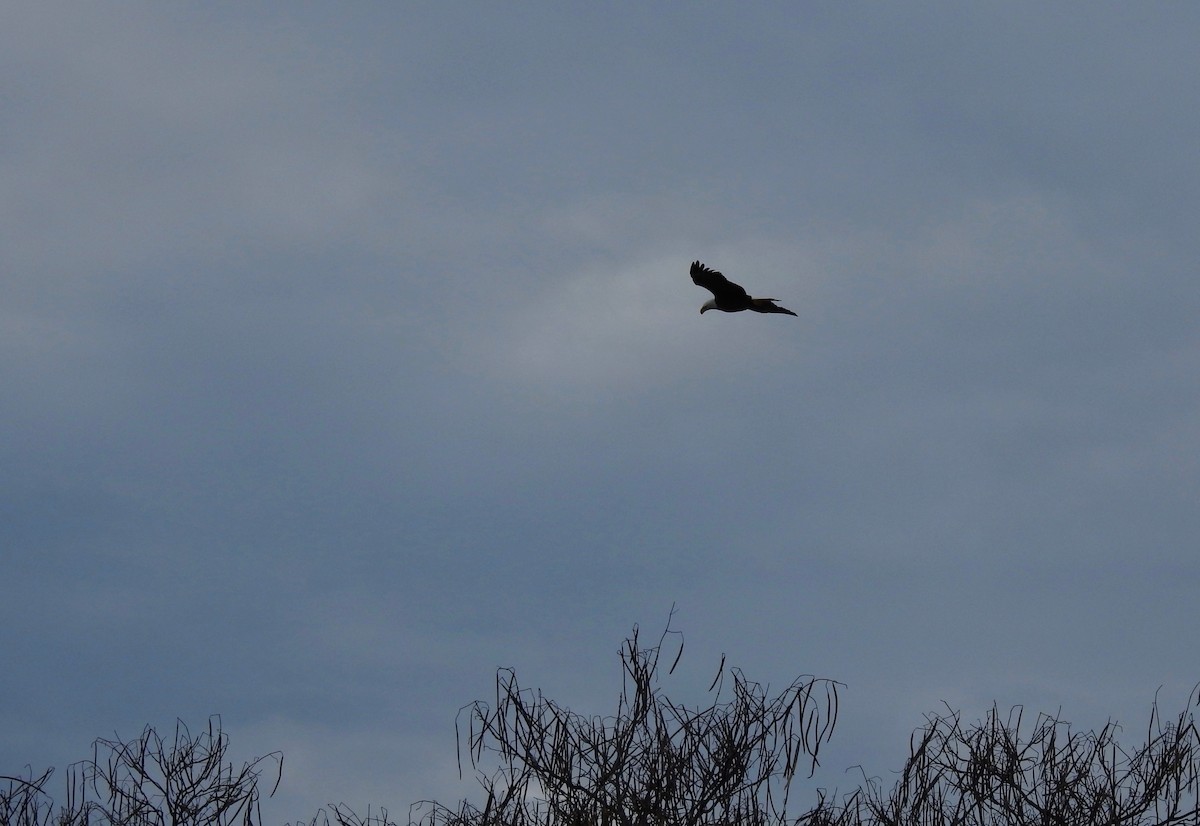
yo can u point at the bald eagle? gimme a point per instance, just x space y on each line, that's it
729 297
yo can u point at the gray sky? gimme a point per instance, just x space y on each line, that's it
349 353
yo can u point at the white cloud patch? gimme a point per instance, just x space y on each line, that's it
599 326
626 324
386 765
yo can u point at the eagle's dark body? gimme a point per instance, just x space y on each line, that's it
729 297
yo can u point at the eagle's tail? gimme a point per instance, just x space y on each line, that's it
768 305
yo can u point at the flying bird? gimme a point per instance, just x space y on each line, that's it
729 297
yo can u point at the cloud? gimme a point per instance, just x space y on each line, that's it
350 356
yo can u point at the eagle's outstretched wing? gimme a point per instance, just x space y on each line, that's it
724 290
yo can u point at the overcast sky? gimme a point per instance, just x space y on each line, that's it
348 353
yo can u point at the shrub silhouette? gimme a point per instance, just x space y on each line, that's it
1001 771
147 781
656 761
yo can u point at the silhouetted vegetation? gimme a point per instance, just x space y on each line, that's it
653 762
656 762
1002 771
147 781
